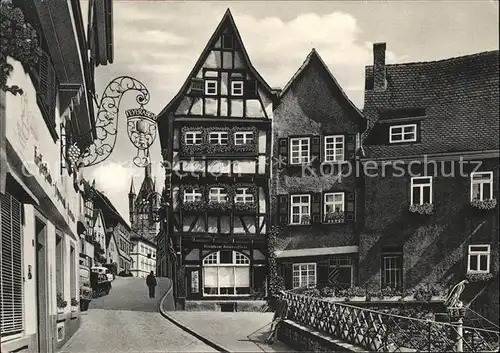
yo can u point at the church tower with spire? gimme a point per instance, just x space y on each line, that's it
131 202
139 209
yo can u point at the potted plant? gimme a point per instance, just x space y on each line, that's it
485 205
473 276
425 209
61 303
74 304
335 217
305 219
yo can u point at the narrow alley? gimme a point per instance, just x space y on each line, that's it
127 320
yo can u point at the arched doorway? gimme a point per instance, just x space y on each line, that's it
226 272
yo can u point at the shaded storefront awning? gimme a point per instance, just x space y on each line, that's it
15 186
317 251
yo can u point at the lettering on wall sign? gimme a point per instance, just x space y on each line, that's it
225 246
43 168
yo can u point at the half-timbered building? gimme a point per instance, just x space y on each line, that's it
216 140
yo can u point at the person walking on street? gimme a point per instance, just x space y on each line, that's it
151 283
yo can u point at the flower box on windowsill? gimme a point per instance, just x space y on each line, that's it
425 209
357 299
337 299
335 217
484 205
60 310
472 276
395 298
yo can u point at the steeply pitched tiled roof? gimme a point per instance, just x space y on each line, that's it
109 210
227 21
312 57
460 98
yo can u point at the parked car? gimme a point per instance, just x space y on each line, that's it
104 279
104 271
85 288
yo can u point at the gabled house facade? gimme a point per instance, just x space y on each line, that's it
430 195
143 256
119 228
112 253
314 188
216 137
99 233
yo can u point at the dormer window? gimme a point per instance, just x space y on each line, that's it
236 88
211 87
403 133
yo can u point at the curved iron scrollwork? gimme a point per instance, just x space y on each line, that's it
141 123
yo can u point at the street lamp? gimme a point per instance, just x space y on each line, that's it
141 125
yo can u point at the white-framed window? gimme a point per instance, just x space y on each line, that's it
226 272
192 195
403 133
481 186
300 206
300 150
478 259
211 87
218 195
192 137
236 88
304 275
243 138
333 202
243 195
421 190
392 270
218 138
334 148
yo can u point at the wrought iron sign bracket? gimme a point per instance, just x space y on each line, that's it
141 125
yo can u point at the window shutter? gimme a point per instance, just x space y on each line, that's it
350 146
11 271
288 275
283 209
316 208
251 89
47 88
197 86
283 150
322 268
350 207
315 149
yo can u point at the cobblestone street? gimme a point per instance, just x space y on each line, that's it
127 320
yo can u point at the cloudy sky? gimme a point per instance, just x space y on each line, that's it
158 42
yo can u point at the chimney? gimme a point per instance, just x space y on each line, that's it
379 73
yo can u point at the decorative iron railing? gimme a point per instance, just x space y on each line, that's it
380 332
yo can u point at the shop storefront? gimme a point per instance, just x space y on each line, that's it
225 271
